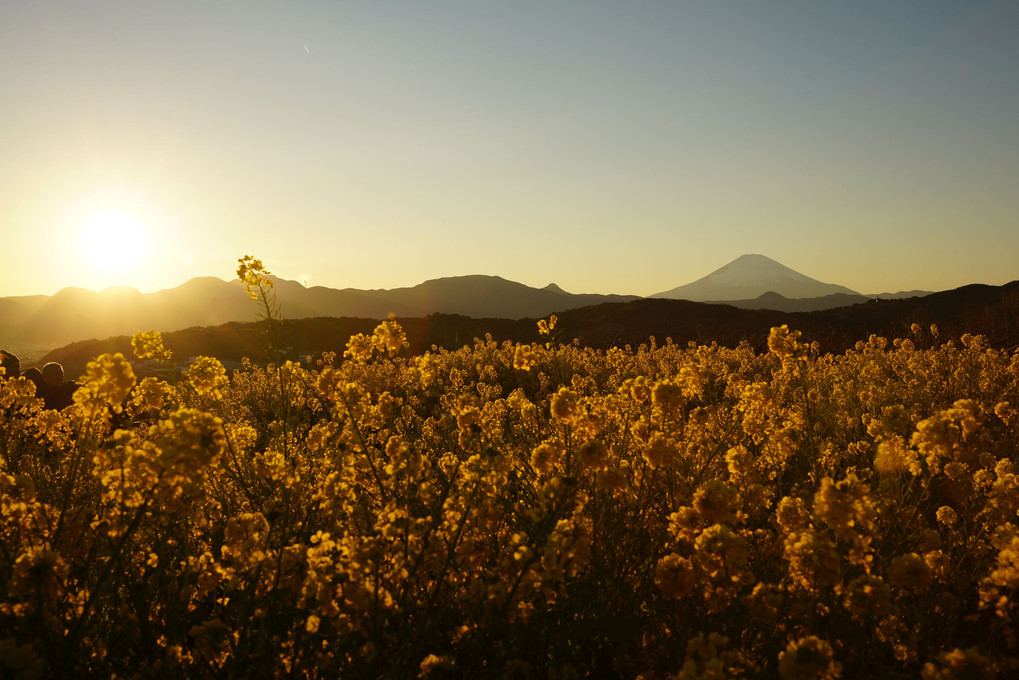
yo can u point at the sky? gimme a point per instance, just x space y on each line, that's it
609 147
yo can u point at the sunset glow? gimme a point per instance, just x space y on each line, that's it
522 339
113 242
605 147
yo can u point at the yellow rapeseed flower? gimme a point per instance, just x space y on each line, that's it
149 345
564 404
524 358
109 378
809 658
207 376
254 275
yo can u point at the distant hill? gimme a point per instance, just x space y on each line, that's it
751 282
772 300
901 294
781 303
234 341
992 311
77 314
750 276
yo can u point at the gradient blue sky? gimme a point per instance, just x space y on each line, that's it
607 146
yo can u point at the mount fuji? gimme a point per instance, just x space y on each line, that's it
750 276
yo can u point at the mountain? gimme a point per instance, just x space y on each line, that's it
992 311
77 314
750 276
781 303
901 294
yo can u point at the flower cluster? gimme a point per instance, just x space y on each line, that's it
254 275
519 510
149 345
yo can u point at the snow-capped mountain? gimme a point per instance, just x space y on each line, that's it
750 276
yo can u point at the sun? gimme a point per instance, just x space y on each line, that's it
113 242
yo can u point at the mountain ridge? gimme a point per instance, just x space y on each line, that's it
751 281
750 276
73 314
992 311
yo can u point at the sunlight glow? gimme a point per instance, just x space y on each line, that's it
113 241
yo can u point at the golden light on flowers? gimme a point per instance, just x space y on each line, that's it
640 389
108 380
389 338
524 358
564 404
545 456
947 516
829 514
254 275
785 343
667 396
433 662
659 452
207 376
960 663
149 345
189 438
359 347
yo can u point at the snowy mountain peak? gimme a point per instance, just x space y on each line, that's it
750 276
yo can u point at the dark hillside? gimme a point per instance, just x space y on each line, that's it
992 311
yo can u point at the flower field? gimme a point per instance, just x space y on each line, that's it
519 511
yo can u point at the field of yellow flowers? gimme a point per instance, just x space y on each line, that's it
519 511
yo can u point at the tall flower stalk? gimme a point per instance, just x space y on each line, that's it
260 289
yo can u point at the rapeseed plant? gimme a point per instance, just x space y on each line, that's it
550 510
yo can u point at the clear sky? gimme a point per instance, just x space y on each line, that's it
610 147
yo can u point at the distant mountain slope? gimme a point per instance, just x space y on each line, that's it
901 294
491 296
78 314
749 276
17 309
992 311
781 303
